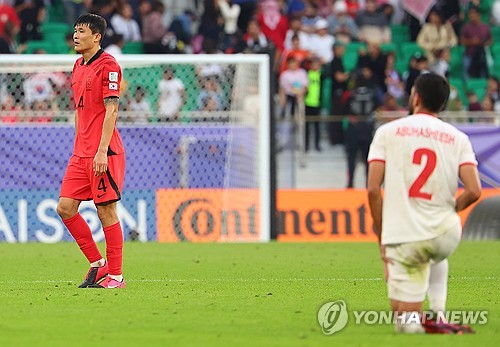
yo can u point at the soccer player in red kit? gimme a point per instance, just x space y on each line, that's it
96 169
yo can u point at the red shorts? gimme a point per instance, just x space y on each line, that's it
80 183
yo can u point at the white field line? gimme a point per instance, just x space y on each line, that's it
255 280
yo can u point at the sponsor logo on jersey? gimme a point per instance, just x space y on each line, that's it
88 83
113 76
113 86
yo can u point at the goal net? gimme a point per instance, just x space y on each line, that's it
196 135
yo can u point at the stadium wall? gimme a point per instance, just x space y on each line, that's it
160 203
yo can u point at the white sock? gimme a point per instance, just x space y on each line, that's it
438 286
118 278
100 263
409 323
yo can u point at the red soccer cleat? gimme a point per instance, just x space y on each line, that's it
431 326
109 283
94 276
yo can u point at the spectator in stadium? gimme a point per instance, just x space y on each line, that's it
32 14
487 104
455 103
441 64
312 102
339 87
361 107
211 96
211 23
8 14
124 24
230 13
390 104
256 41
155 36
341 25
310 18
376 60
293 84
248 9
171 97
418 65
116 44
69 43
473 100
144 9
436 36
8 44
373 24
495 13
295 26
273 24
393 80
74 9
475 36
353 8
299 54
139 105
321 42
493 92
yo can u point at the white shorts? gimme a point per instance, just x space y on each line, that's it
408 275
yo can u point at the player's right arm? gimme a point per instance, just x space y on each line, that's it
472 187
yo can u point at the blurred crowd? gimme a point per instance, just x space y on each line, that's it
307 40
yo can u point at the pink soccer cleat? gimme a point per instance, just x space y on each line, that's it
109 283
94 276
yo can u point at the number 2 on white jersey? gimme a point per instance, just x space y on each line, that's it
430 165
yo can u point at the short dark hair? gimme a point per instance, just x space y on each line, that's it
96 23
433 90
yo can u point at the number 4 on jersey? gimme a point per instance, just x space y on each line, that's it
430 165
80 102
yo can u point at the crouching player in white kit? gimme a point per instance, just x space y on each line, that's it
419 159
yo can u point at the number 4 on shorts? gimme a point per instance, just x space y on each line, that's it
102 186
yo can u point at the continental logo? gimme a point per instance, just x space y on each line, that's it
207 215
329 215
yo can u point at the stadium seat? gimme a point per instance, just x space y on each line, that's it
350 60
495 32
400 34
33 46
408 49
456 69
54 31
478 86
495 50
133 48
389 47
355 47
326 95
459 84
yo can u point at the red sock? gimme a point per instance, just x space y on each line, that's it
79 229
114 247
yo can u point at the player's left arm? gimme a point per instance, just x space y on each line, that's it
101 158
376 172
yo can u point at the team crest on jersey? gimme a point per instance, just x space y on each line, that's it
113 76
113 86
88 83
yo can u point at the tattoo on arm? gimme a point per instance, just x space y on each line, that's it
111 100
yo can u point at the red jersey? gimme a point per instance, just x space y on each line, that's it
92 82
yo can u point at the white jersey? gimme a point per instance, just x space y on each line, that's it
422 156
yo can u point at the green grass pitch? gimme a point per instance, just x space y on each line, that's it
224 295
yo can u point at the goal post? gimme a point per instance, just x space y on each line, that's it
197 136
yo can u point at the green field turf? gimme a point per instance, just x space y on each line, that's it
224 295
